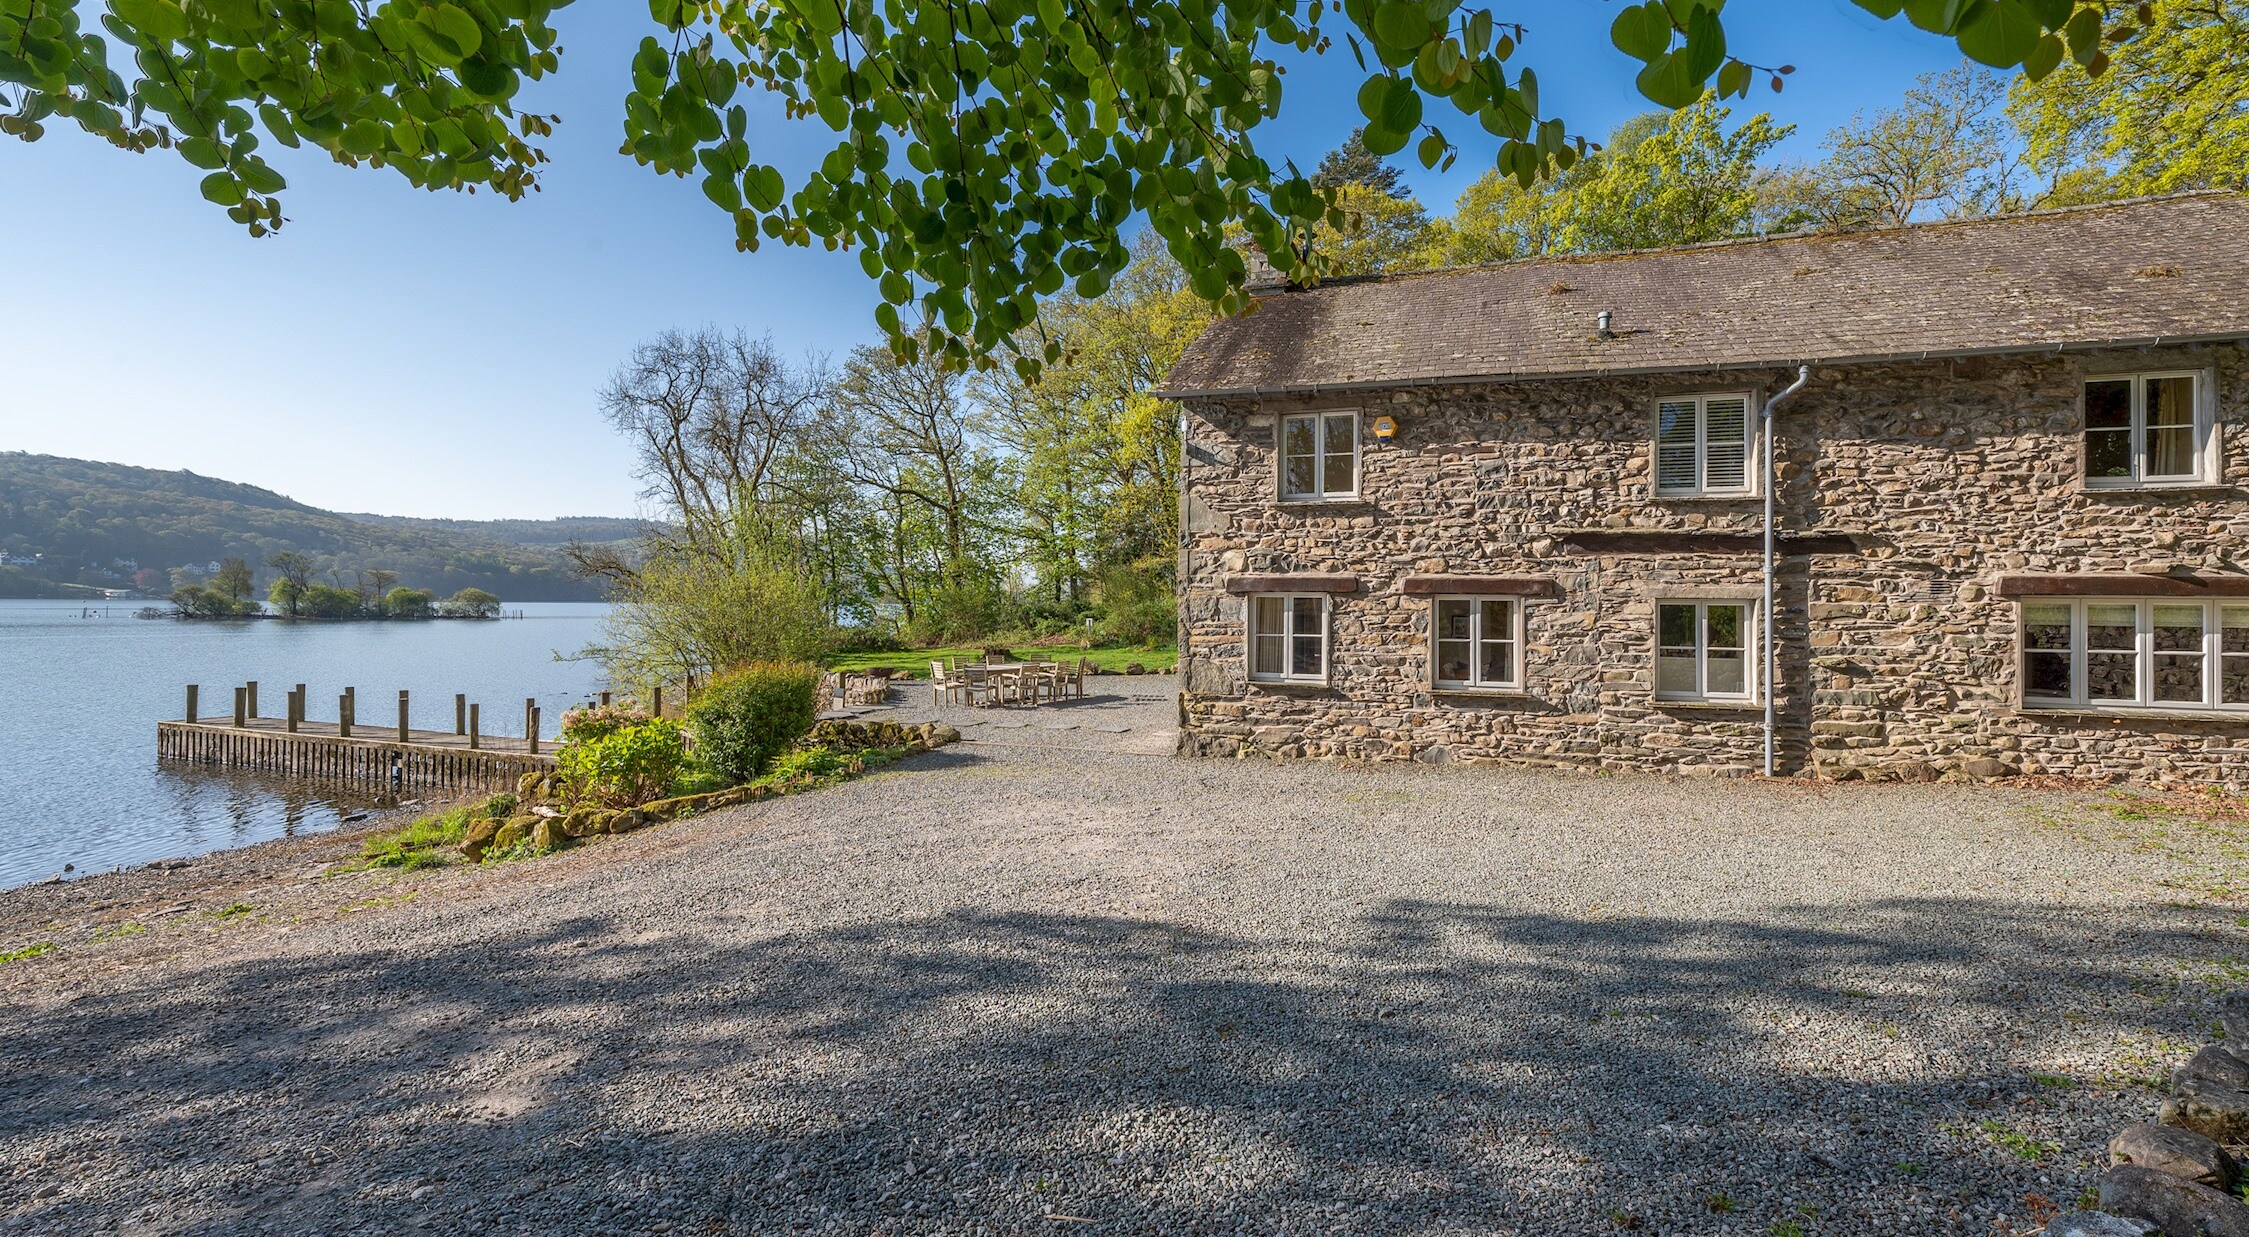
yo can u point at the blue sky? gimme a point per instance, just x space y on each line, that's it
438 355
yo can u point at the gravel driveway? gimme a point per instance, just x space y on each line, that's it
1047 981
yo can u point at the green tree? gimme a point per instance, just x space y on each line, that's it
982 156
1381 234
410 603
2170 111
691 612
1353 164
293 574
329 602
234 580
1945 150
471 603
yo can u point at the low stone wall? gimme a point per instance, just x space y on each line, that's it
2176 1177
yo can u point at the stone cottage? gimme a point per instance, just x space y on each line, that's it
1959 497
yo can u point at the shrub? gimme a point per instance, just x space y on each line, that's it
471 603
404 602
1137 602
429 841
745 717
628 766
600 721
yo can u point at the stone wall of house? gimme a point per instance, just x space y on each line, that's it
1897 658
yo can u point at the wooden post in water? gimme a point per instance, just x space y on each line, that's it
253 697
460 713
351 709
532 732
296 707
473 727
241 704
343 714
402 715
193 690
530 728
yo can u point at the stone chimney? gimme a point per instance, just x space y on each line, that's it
1262 276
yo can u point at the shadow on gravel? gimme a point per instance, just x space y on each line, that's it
1427 1066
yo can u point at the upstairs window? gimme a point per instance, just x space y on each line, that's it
1702 651
1288 638
1478 642
2125 654
2146 429
1702 446
1319 456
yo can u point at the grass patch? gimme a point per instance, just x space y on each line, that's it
432 841
119 931
28 952
916 661
2014 1140
234 910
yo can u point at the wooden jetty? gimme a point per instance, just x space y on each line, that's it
395 755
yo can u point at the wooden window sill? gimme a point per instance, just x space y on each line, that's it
1489 693
1712 706
2142 489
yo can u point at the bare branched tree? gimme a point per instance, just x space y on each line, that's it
1945 151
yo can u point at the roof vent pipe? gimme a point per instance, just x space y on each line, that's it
1601 327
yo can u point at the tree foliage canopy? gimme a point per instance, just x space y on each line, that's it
986 154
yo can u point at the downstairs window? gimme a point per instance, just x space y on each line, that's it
1288 638
2116 653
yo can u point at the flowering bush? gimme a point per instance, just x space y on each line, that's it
631 764
600 721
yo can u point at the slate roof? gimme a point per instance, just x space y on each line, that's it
2151 270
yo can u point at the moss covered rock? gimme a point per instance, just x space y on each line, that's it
478 837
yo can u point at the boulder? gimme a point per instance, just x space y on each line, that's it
513 831
585 822
2169 1149
2216 1112
1987 768
2096 1224
2177 1207
628 820
548 834
527 786
478 837
2215 1064
941 734
1136 668
2233 1015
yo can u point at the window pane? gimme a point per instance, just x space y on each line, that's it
2233 669
2112 676
2233 629
2046 673
1723 625
1675 674
1304 643
1728 671
1300 451
2170 401
1301 473
1307 615
1306 658
1726 435
1298 436
2178 629
2046 625
2170 451
1499 620
1267 615
2178 678
2110 626
2108 404
2108 453
1675 626
2233 680
1267 657
1452 660
1675 445
1452 620
1499 662
1339 476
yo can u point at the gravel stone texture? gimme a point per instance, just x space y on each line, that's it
1057 980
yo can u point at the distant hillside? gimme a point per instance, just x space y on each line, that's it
87 517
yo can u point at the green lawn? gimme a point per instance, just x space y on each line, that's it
917 660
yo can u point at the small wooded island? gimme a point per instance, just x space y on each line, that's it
293 595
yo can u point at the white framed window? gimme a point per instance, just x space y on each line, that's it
1703 446
1288 638
2124 653
1477 642
1319 456
2148 430
1703 651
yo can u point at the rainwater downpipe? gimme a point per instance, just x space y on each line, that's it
1803 375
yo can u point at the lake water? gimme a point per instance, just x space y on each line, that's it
80 699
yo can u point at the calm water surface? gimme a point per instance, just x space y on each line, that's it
80 699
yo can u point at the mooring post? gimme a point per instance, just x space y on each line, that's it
402 715
296 708
460 713
657 709
253 697
343 714
532 731
351 709
530 728
193 690
241 705
473 727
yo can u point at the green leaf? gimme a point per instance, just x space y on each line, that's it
1670 81
1431 150
1401 24
455 26
1381 141
1936 16
222 188
2000 33
2044 58
1734 79
762 186
1642 31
